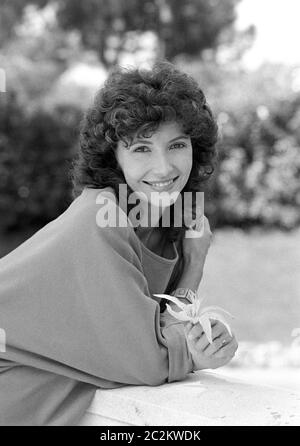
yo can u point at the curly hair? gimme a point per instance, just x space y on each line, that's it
136 101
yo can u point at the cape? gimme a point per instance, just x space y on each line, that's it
78 314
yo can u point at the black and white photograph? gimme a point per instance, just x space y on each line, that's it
150 215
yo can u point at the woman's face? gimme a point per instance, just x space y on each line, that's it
150 164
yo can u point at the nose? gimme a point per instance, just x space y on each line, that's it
162 167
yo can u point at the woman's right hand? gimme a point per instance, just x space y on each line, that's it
195 249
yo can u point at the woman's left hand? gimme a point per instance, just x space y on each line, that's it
206 355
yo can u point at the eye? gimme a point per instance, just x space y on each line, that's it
178 145
140 149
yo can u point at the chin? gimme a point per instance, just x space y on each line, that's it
164 199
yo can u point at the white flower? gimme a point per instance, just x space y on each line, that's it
194 313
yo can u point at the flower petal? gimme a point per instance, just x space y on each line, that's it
218 317
173 299
197 298
205 322
198 306
180 315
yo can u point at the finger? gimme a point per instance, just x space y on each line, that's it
213 322
195 332
210 350
219 326
218 330
227 350
201 343
198 331
218 343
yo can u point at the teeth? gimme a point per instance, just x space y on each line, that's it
166 183
162 184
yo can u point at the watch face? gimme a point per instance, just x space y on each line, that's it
185 293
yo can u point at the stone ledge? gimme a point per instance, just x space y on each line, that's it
202 399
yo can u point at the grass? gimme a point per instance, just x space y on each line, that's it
255 276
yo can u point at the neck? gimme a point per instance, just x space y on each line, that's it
151 215
144 234
148 223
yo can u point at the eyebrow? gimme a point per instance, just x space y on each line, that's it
149 142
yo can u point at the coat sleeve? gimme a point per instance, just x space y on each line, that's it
74 301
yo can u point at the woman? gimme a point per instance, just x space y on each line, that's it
76 299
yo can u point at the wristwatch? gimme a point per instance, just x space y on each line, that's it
184 293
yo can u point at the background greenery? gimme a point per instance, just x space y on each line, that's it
256 186
256 182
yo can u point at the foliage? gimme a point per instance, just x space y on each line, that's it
257 179
35 153
106 26
38 54
11 14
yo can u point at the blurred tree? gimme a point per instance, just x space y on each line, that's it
37 52
182 27
11 13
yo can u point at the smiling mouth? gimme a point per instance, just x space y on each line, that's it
161 183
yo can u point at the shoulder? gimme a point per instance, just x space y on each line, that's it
99 207
97 215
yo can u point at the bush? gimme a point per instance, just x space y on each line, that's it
258 175
36 149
